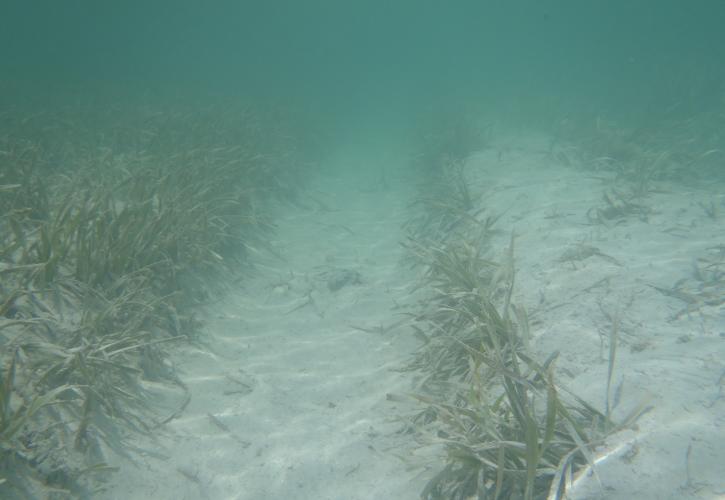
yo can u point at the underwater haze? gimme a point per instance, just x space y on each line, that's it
349 249
355 59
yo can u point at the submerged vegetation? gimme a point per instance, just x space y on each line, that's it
506 427
503 424
113 224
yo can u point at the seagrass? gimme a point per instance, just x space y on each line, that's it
507 429
104 223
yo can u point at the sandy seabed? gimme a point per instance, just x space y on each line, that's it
290 382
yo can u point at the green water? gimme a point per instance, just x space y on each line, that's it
375 63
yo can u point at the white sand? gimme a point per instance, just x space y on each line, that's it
290 371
